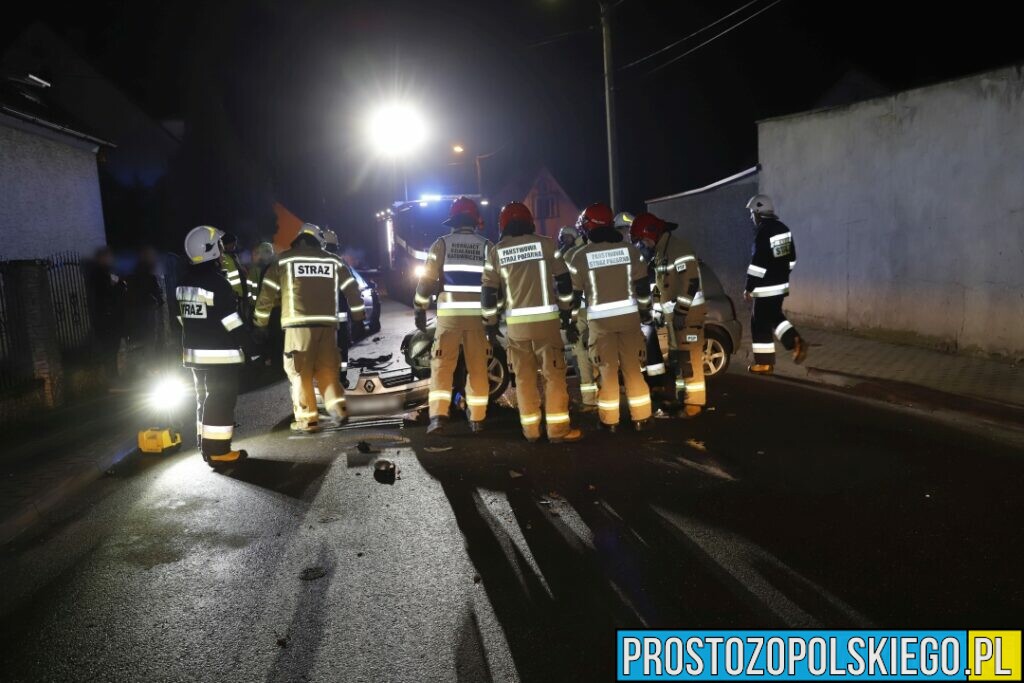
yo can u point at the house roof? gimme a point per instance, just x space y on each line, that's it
26 102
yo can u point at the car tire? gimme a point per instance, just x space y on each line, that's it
374 324
498 376
717 351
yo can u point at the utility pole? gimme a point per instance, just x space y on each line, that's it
609 104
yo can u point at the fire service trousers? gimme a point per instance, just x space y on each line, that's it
444 357
216 394
312 353
766 322
538 348
686 343
614 350
588 384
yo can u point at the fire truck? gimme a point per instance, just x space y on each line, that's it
410 227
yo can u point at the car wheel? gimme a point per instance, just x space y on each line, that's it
497 373
716 352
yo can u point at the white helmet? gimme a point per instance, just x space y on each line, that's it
202 244
761 205
330 240
314 230
623 219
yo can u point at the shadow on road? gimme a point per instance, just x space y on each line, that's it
299 480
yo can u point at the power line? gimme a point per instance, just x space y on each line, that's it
683 40
713 38
560 36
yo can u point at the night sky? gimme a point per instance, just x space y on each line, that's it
292 80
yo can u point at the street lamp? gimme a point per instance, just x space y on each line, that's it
396 131
458 149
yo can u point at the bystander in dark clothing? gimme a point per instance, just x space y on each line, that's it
146 311
106 296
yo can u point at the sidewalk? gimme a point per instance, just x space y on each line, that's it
976 385
46 462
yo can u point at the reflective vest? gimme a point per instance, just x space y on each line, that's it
605 272
772 258
212 330
523 268
453 271
677 274
307 283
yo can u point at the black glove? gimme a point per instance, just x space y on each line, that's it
493 334
645 316
572 333
421 320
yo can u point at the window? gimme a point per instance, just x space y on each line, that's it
545 206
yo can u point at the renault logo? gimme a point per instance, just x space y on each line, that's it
369 386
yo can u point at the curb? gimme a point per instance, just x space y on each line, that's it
35 509
895 392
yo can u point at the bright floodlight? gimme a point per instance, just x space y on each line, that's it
396 130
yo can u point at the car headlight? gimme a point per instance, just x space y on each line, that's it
168 393
419 271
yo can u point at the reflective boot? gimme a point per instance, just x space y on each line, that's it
308 428
690 412
226 458
761 369
641 425
476 426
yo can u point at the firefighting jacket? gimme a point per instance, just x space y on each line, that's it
236 275
526 270
613 278
567 255
773 256
677 274
212 331
307 282
453 270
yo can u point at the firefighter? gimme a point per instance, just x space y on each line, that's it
570 239
236 273
682 305
307 282
537 289
611 275
623 219
773 256
213 339
344 337
453 271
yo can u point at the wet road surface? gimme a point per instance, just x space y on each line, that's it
490 559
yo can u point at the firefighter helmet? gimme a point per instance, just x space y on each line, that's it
647 226
569 236
202 244
761 205
330 240
514 212
464 213
623 219
597 215
313 231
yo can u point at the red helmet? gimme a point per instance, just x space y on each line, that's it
648 226
597 215
464 212
514 212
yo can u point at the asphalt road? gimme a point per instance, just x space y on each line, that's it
785 506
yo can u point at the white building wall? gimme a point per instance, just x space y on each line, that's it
49 193
908 213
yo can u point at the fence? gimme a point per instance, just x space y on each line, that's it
70 301
13 337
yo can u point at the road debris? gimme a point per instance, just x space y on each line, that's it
515 475
699 445
282 642
385 472
437 449
312 573
365 447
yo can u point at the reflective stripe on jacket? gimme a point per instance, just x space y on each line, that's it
523 269
307 283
